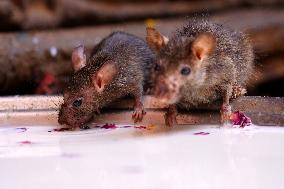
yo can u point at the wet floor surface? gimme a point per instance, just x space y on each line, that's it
142 156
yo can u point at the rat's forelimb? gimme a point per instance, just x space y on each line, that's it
139 112
226 109
171 115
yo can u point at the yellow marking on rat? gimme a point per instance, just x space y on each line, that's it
150 22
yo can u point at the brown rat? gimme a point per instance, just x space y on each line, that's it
119 65
201 63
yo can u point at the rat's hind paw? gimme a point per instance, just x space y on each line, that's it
238 91
171 116
138 113
225 114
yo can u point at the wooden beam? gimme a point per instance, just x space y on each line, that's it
26 56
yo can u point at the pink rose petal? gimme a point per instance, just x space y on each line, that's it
201 133
109 126
25 142
239 118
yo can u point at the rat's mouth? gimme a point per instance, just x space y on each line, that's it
81 122
166 95
74 121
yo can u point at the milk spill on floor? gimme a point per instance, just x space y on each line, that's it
151 156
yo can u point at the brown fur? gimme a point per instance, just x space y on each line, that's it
218 59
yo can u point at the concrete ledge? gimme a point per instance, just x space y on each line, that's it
34 110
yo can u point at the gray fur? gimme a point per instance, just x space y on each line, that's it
134 61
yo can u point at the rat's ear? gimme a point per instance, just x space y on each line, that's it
155 40
104 75
78 58
203 46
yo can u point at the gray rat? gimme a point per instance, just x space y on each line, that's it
201 63
119 65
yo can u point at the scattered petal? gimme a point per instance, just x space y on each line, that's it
25 142
239 118
201 133
109 126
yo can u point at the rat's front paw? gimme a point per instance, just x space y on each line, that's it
225 114
171 117
138 113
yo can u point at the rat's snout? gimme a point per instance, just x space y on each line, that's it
167 89
72 118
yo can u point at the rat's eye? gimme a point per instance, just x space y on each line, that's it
185 71
157 67
77 103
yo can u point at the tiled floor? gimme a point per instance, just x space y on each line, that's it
142 157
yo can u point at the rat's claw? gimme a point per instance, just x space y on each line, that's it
138 113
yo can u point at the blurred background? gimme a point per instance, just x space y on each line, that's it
37 36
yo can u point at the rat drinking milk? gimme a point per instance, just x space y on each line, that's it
201 63
119 65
